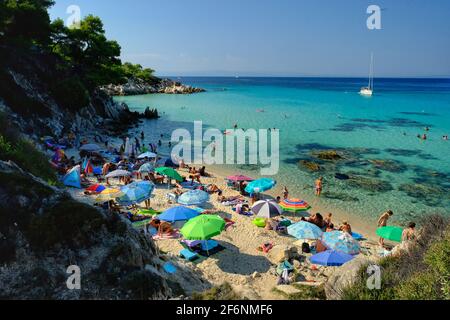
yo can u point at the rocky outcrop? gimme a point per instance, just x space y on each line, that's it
43 231
139 87
344 277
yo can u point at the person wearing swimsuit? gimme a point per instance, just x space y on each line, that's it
319 186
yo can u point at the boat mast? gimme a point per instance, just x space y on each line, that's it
371 73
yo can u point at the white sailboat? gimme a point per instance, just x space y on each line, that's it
368 91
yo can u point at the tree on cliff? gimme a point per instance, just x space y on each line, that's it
25 22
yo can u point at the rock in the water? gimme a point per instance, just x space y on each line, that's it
373 185
331 155
389 165
310 165
341 176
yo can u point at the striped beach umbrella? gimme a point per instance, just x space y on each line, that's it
193 197
260 185
390 233
266 209
109 194
294 205
341 242
305 230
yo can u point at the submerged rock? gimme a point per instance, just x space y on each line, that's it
373 185
310 165
388 165
330 155
430 194
341 176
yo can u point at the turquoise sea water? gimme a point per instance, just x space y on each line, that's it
321 114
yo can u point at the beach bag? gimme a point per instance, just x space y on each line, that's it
306 248
284 266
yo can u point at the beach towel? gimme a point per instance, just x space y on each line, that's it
169 268
284 266
188 255
266 247
232 203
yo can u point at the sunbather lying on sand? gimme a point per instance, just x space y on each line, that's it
162 226
223 199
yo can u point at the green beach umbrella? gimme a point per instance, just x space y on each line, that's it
169 172
203 227
390 233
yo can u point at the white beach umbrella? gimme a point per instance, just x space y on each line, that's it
118 173
147 155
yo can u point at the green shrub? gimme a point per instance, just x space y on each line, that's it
68 223
222 292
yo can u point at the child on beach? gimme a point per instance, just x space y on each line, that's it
382 222
409 234
346 227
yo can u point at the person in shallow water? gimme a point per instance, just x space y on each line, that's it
382 222
319 186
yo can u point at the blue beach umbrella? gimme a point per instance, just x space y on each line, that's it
193 198
136 192
331 258
146 167
341 242
305 230
179 213
260 185
149 155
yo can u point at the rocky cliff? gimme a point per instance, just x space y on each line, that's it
138 87
43 230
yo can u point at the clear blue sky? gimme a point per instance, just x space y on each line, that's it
276 37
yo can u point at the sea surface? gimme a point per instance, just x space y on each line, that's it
387 165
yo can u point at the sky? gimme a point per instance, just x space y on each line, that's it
276 37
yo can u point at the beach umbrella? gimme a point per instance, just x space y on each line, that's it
260 185
109 194
390 233
341 242
239 178
305 230
294 205
331 258
118 173
203 227
193 197
97 188
73 178
169 172
266 209
91 147
178 214
147 155
136 192
146 167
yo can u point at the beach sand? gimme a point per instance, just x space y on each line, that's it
250 272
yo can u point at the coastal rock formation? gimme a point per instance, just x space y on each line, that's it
369 184
280 253
44 231
310 165
344 277
139 87
331 155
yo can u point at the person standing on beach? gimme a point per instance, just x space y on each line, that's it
382 222
319 186
285 193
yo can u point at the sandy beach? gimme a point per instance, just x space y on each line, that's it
250 272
